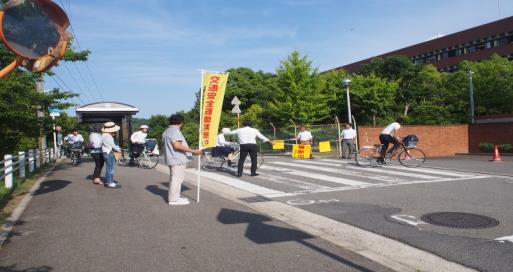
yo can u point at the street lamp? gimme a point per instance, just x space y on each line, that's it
471 96
346 83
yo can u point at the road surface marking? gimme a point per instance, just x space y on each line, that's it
505 239
314 175
290 182
302 202
419 170
341 171
408 219
237 183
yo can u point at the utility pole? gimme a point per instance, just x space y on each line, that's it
40 116
471 96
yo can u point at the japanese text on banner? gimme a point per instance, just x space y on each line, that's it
214 86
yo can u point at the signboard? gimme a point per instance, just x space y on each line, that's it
235 101
300 151
324 146
54 112
236 109
278 144
214 86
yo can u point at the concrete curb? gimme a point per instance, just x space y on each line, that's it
20 208
382 250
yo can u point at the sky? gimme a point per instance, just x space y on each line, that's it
150 53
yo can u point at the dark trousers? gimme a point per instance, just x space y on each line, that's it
385 140
244 150
98 164
136 150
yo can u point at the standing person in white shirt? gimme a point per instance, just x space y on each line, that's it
108 148
305 138
348 136
138 139
389 135
223 148
247 140
95 147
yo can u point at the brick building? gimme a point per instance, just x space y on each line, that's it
447 52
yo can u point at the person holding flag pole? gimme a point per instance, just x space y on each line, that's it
213 87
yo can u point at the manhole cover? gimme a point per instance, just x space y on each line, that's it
460 220
255 199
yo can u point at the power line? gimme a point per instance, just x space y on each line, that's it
89 72
56 77
79 87
85 82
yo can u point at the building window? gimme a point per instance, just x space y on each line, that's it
471 49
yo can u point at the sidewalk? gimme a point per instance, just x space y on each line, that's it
479 164
73 225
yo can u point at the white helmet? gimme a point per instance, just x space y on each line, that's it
144 127
225 130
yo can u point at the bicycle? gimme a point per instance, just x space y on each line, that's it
407 154
148 159
75 152
209 163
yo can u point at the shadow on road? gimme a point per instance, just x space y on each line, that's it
262 233
156 190
51 186
12 268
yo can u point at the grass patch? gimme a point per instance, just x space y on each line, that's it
9 199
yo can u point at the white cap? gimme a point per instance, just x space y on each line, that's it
145 126
225 130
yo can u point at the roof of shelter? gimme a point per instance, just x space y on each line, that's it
107 107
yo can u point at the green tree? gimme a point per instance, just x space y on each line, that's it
299 97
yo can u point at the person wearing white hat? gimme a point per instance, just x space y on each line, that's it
138 139
108 148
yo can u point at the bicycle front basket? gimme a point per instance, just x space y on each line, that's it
411 140
151 144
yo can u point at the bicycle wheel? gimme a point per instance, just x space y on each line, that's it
209 163
148 160
412 157
247 162
74 159
260 160
367 157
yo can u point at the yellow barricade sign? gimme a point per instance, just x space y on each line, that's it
278 144
300 151
324 146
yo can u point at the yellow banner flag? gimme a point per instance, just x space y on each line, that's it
300 151
278 144
214 86
324 146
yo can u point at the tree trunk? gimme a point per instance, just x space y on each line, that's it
406 108
374 120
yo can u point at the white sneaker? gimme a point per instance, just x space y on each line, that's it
180 201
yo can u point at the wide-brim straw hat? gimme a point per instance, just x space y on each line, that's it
110 127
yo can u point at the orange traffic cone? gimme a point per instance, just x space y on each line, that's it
496 155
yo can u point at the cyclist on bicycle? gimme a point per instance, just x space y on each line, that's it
223 148
389 135
138 139
74 140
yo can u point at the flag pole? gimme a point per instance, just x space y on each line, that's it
200 137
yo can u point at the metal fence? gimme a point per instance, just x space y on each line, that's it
15 169
320 133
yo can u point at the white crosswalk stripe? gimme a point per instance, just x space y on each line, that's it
282 178
313 175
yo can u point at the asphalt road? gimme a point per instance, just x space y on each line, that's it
391 200
73 225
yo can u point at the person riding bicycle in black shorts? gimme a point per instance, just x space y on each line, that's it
223 148
388 136
138 139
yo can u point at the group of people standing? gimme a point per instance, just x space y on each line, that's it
103 150
347 137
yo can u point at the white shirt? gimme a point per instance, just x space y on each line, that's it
138 137
248 135
348 134
71 138
221 140
391 129
108 143
95 139
305 136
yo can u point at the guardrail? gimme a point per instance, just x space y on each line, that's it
18 165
